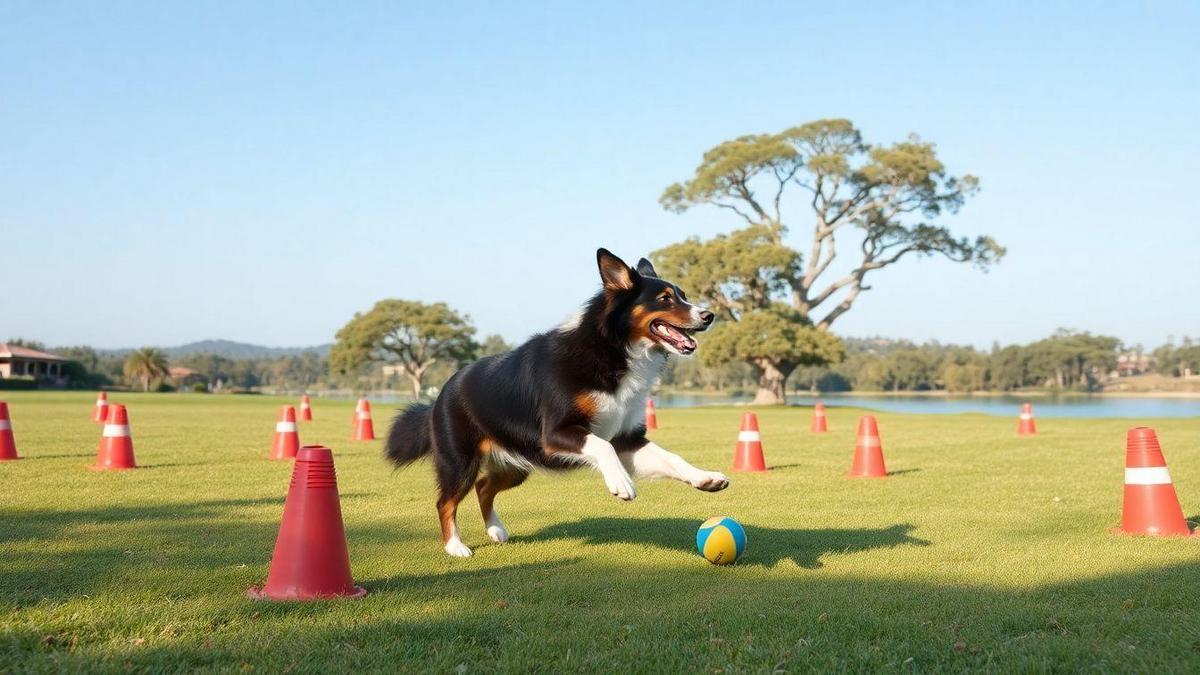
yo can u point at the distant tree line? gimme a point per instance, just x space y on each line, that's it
1065 361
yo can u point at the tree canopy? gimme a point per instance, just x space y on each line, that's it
409 334
891 198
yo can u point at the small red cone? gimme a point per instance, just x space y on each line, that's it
819 426
1025 424
364 429
100 412
310 559
1150 506
287 440
651 418
116 444
748 454
8 445
868 450
305 409
357 409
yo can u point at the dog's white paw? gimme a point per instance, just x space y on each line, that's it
456 548
619 484
709 481
497 533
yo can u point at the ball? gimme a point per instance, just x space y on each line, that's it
721 540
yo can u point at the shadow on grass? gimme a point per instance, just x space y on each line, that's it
765 545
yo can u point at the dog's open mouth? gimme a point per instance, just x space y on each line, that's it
673 336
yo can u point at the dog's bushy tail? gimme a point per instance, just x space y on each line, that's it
410 438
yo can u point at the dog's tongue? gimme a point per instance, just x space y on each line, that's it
681 340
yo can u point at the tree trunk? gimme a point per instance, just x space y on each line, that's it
145 383
416 385
772 382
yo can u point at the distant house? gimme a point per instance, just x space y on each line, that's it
186 377
1133 363
17 361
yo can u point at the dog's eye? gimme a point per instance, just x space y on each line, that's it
665 298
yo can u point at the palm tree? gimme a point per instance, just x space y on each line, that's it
145 365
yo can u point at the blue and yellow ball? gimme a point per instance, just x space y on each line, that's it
721 540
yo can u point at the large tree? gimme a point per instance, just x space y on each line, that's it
146 365
886 199
411 335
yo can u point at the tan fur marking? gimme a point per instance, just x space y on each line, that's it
585 404
446 514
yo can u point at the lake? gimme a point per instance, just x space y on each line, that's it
1000 406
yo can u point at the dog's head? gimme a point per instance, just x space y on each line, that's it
646 309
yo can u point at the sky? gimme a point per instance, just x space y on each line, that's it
260 172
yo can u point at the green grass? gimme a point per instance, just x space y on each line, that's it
983 551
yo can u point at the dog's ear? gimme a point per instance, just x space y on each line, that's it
645 269
617 276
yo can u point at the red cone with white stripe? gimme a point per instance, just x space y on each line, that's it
8 445
1151 506
364 429
748 454
311 560
1025 424
305 409
100 412
287 439
819 426
651 418
357 409
868 450
116 443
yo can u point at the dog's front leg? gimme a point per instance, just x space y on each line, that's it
653 461
597 452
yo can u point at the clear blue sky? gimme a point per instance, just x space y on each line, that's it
260 173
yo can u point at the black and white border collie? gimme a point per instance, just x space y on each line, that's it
573 396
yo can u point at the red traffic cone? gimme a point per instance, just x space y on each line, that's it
100 412
868 450
364 429
819 426
357 409
8 445
310 559
1025 424
1151 506
651 418
305 409
748 454
287 440
116 445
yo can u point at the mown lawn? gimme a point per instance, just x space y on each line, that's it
983 551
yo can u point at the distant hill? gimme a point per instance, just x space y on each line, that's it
229 349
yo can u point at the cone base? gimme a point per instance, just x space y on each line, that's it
97 467
9 459
866 475
749 470
259 593
1194 534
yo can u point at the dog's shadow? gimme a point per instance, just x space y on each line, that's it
765 545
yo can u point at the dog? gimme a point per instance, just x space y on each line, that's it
570 397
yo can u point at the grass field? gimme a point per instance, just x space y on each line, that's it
982 551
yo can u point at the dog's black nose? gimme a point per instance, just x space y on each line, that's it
707 317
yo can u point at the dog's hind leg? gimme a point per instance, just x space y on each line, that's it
486 488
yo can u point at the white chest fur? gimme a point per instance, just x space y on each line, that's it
624 408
